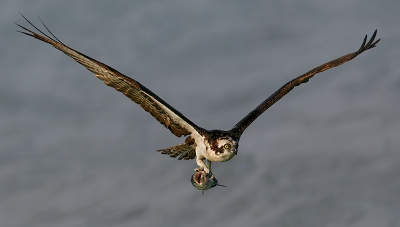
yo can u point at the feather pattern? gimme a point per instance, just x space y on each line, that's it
205 146
247 120
172 119
184 151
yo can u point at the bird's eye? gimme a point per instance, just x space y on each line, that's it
227 146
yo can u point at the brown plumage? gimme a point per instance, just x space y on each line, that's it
186 150
132 89
205 145
246 121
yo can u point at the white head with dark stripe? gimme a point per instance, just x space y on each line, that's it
222 145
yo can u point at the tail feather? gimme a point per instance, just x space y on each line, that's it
184 151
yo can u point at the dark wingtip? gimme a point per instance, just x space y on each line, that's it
371 44
364 41
34 34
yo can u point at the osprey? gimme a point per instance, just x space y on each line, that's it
205 146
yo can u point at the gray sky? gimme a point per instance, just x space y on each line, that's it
74 152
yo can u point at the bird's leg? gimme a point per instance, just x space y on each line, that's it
211 176
208 164
202 165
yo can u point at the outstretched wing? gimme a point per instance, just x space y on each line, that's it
246 121
178 124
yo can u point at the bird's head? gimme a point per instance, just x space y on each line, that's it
227 145
223 144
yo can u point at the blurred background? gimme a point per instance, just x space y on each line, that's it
74 152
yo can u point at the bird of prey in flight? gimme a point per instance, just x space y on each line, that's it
205 146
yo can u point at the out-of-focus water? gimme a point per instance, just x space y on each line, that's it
74 152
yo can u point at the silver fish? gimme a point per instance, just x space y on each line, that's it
203 181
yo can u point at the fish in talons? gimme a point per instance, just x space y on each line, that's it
204 181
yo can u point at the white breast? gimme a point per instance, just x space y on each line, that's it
201 144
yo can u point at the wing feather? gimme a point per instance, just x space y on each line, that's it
246 121
172 119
